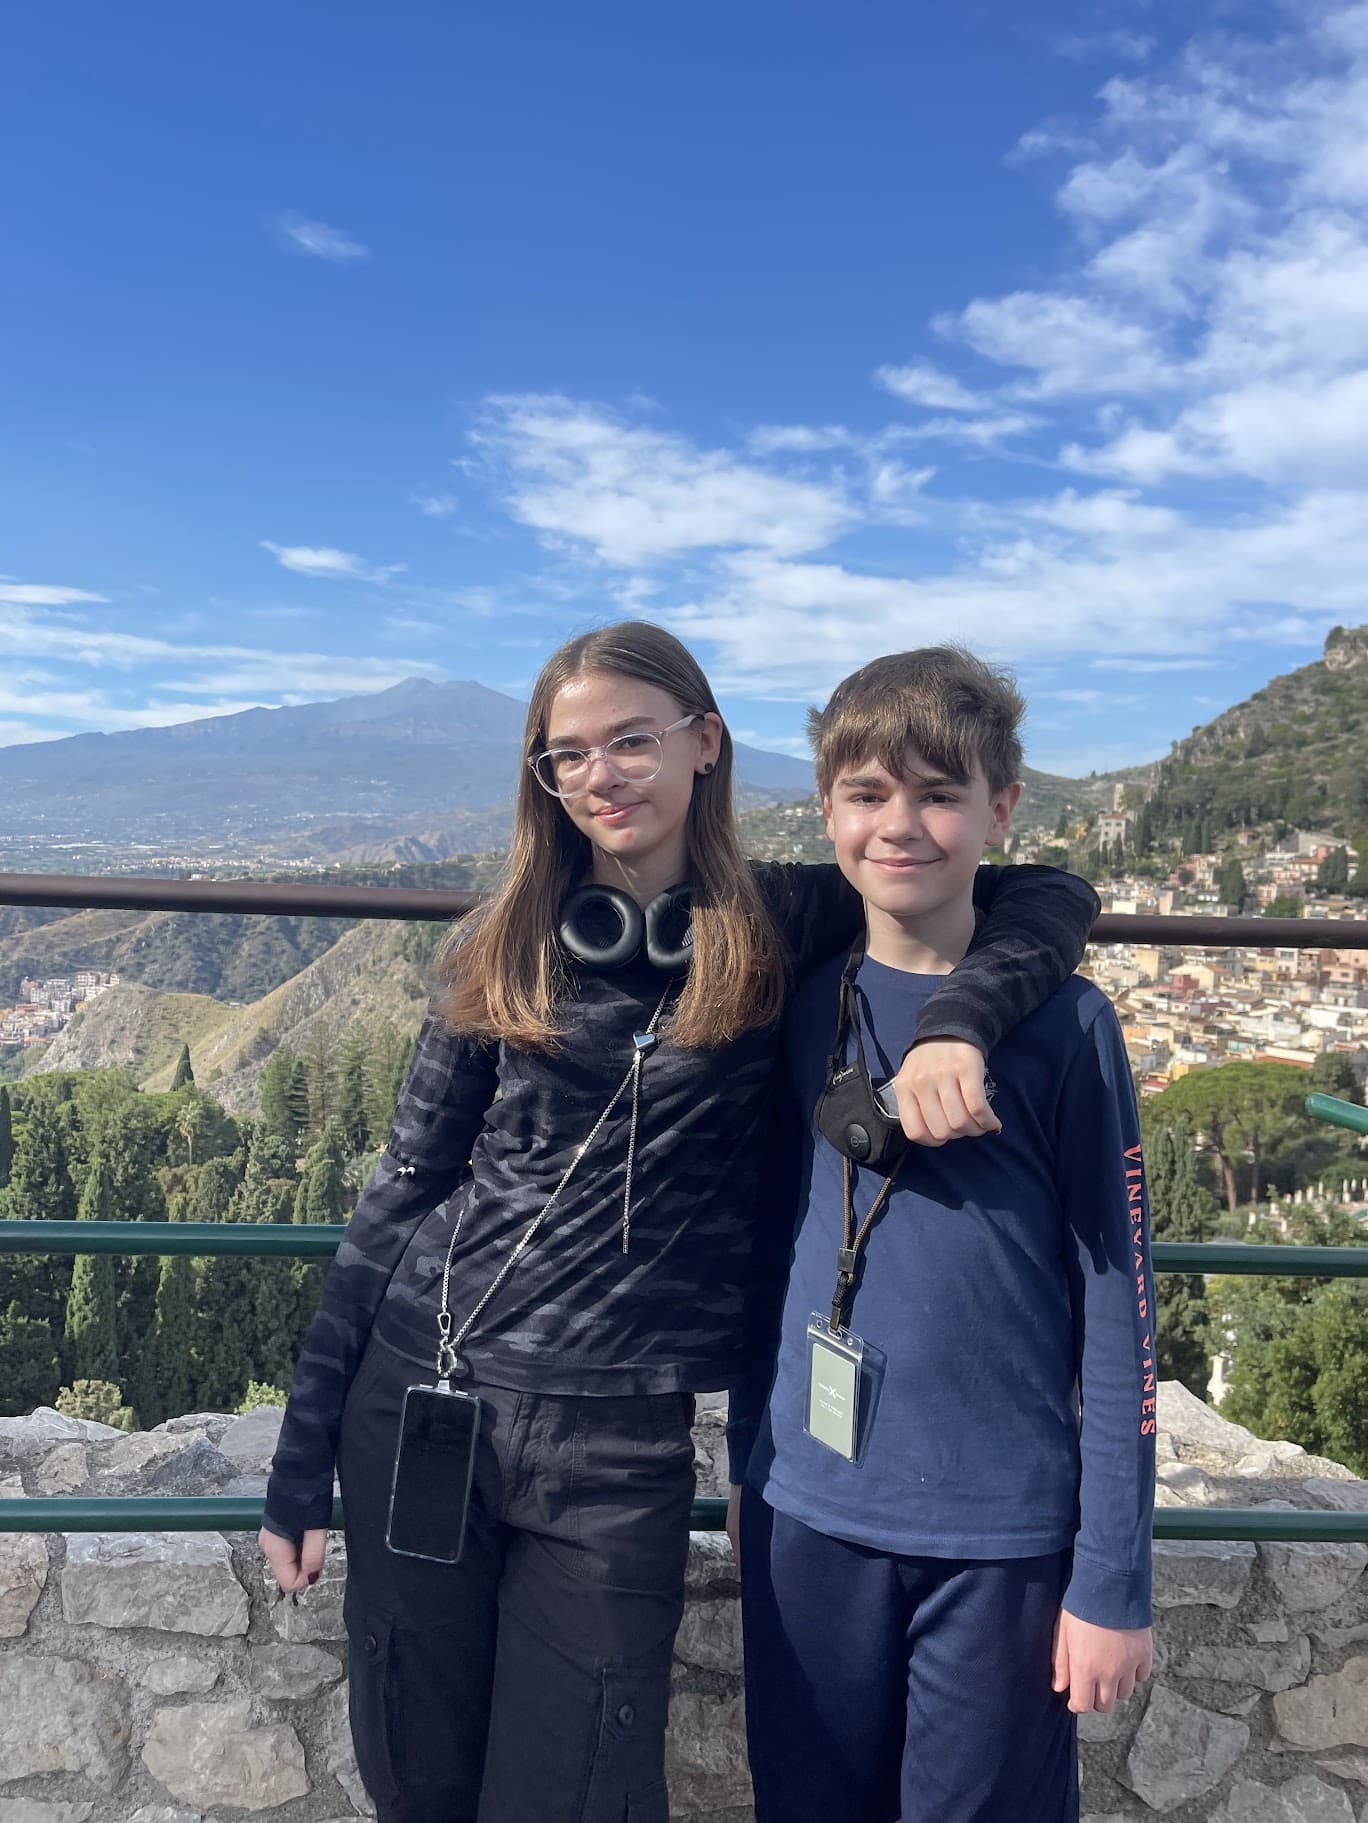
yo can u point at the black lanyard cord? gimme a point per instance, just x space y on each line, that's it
848 1257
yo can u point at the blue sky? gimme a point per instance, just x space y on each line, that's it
345 343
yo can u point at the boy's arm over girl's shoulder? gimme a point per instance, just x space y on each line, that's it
1105 1208
1035 925
450 1084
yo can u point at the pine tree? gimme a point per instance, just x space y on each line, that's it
390 1057
273 1091
321 1072
40 1189
297 1099
185 1075
1181 1210
320 1196
352 1119
1333 1074
92 1350
6 1138
1231 885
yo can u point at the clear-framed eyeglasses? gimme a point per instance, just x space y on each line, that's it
632 758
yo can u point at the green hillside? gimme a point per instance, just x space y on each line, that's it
1294 755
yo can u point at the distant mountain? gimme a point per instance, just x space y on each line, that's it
1293 755
423 763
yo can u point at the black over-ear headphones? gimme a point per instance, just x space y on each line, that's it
604 928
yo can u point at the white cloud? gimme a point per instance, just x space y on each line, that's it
435 506
333 565
922 383
636 495
297 234
1084 47
43 595
1071 344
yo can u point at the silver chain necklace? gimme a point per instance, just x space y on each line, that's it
449 1360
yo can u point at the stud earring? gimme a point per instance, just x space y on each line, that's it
707 766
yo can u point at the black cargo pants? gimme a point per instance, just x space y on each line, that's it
529 1683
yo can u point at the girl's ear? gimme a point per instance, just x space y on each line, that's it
709 741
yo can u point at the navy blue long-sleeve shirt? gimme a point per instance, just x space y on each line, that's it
577 1315
1006 1281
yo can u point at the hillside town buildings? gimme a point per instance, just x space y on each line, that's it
45 1006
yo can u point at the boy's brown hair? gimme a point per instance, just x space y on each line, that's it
951 707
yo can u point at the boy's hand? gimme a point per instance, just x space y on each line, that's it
295 1563
1099 1666
940 1093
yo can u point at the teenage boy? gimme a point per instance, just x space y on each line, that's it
945 1532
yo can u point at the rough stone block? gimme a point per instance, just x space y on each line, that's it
1199 1434
1303 1800
40 1810
1330 1711
164 1813
710 1562
1196 1572
250 1441
180 1582
61 1470
1181 1751
23 1572
181 1675
25 1440
1311 1576
705 1754
285 1672
709 1636
62 1715
1266 1667
210 1753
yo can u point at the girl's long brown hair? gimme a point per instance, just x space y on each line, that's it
505 972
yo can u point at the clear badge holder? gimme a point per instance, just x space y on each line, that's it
835 1358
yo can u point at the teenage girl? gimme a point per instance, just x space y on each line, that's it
588 1290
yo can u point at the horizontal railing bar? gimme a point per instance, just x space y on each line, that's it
299 899
306 900
318 1241
305 1240
231 1513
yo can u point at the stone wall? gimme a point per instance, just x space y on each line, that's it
151 1678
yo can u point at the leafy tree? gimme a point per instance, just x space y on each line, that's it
30 1372
1181 1210
320 1196
40 1189
185 1075
391 1054
1242 1108
1062 827
1230 883
257 1395
1357 886
1333 1074
6 1138
100 1401
1333 872
1286 905
212 1188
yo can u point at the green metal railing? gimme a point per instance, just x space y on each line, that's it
227 1513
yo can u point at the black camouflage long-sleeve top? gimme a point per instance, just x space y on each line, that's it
488 1130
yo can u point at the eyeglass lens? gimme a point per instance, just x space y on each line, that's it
633 757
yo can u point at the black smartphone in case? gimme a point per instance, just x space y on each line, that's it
433 1469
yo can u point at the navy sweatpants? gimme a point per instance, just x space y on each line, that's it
882 1687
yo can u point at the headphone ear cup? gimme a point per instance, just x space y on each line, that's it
586 907
669 931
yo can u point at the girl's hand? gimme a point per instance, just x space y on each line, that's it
1099 1666
295 1564
940 1093
734 1521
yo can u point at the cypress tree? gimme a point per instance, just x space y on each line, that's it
40 1189
185 1075
91 1340
1180 1211
171 1371
297 1099
6 1137
352 1118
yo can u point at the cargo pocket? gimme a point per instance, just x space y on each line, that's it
368 1681
627 1776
